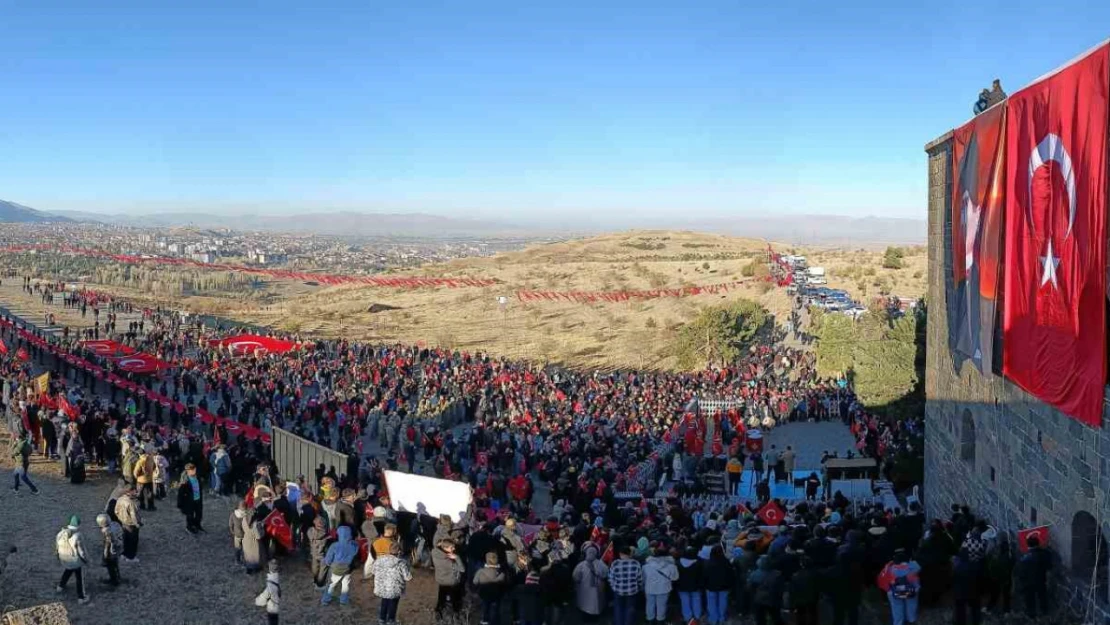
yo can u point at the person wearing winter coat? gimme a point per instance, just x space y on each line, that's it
449 573
900 579
270 597
1000 572
1032 572
190 499
660 573
589 584
112 535
127 513
766 585
71 553
490 581
512 542
161 475
528 596
719 577
340 559
391 573
317 538
235 528
144 477
255 549
805 593
690 584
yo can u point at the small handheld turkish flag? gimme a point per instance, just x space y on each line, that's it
1040 533
279 530
771 514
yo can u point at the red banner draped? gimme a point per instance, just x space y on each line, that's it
1055 294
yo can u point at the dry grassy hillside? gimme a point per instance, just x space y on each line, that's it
601 334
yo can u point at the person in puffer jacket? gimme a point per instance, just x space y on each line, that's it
317 538
339 559
449 576
390 576
660 573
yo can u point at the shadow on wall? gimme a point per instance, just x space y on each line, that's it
1020 469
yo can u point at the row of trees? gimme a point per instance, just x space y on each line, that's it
881 355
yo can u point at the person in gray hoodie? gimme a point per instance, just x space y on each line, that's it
340 559
449 570
660 573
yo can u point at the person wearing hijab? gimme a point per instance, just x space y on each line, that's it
589 584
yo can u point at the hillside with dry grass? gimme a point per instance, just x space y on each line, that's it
637 333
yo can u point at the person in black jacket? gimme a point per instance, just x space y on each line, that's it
690 584
719 579
190 499
805 593
1032 577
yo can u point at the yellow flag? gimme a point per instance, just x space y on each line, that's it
42 383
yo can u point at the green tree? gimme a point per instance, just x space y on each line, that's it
893 258
719 334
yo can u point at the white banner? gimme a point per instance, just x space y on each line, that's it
427 495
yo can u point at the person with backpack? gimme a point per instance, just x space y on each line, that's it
340 559
900 579
71 553
112 534
20 450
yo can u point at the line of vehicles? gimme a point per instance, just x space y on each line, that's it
809 287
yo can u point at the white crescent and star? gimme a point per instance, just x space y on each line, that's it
1051 149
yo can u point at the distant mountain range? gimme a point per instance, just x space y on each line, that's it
792 228
343 223
10 212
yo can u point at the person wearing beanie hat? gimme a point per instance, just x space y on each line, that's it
112 534
71 553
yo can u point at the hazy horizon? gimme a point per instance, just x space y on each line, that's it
503 112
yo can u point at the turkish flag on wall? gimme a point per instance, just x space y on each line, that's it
1054 331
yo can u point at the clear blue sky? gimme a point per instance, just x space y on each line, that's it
508 110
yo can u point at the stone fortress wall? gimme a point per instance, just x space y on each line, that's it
1011 458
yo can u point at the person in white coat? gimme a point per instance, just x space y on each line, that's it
660 573
71 553
270 597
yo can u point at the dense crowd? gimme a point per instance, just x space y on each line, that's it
588 437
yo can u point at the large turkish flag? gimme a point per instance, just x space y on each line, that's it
1054 331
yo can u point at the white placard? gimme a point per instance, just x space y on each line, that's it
427 495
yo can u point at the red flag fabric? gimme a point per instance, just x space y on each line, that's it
105 347
279 530
3 348
978 164
69 409
609 555
1041 533
244 344
1054 328
140 363
771 514
22 354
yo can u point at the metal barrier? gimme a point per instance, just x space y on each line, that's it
295 456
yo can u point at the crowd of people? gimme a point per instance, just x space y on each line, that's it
587 438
